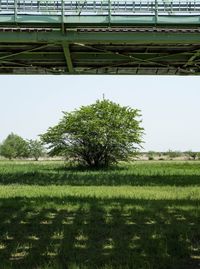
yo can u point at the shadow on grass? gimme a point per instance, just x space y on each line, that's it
96 178
94 233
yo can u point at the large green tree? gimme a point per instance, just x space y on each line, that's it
96 135
14 146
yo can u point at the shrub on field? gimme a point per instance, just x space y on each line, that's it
14 146
151 158
151 155
96 135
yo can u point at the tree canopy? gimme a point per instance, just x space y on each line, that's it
14 146
36 149
96 135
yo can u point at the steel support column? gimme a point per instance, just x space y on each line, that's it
68 57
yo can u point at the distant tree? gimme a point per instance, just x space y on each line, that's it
14 146
174 154
36 149
191 154
96 135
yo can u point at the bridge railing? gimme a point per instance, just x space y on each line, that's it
100 7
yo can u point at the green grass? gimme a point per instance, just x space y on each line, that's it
144 215
134 174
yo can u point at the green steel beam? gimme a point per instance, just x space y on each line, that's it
99 52
79 57
68 57
192 58
14 64
129 58
150 56
173 56
90 54
11 55
57 37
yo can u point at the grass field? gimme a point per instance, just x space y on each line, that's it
144 215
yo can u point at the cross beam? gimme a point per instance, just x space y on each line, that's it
100 37
192 58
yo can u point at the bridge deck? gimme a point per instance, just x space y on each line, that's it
100 37
99 12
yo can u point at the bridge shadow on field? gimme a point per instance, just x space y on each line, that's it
95 233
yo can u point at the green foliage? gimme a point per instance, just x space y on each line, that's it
36 149
14 146
96 135
174 154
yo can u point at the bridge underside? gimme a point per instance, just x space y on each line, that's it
149 51
99 37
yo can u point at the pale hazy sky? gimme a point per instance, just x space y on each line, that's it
170 106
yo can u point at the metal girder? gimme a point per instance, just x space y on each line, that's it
98 55
21 52
84 52
95 29
131 58
137 56
192 58
68 57
100 37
